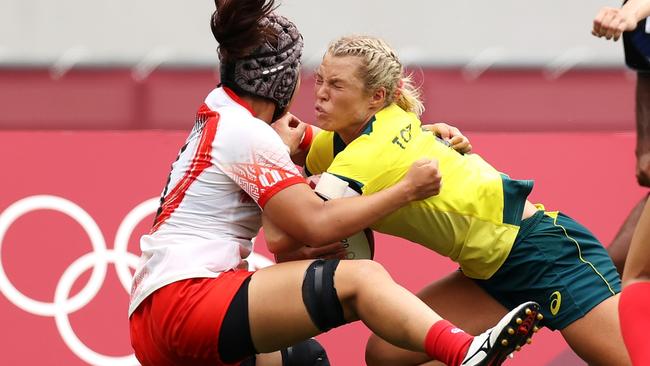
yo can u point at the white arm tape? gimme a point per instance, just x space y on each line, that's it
330 186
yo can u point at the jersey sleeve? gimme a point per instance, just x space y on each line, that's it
320 153
355 164
257 160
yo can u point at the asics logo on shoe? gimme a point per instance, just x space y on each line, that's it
556 302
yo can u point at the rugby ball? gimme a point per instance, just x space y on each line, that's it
360 245
328 186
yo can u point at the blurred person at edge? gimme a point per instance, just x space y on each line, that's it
633 22
508 249
634 307
192 300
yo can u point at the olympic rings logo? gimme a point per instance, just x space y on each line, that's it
98 260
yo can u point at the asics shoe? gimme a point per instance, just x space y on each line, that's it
512 332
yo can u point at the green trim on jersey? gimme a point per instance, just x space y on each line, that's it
513 205
475 218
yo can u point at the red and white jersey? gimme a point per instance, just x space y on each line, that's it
229 167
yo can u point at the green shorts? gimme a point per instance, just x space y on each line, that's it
558 263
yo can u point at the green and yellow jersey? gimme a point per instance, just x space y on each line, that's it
475 218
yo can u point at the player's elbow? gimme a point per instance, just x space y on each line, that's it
280 242
277 245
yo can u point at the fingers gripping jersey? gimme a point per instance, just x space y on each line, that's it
229 167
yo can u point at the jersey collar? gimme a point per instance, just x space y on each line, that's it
225 97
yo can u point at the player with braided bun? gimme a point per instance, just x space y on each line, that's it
193 302
383 70
508 249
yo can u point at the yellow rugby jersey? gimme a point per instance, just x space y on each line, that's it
475 218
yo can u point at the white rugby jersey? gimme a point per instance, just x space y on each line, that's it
229 167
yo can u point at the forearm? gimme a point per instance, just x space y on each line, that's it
300 213
637 265
341 218
286 249
295 255
300 157
303 216
640 8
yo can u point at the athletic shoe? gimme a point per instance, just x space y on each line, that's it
510 334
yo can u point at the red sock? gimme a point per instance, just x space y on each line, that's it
447 343
634 313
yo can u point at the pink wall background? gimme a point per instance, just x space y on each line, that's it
504 100
567 134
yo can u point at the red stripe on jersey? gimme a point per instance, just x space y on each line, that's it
238 100
200 162
277 188
206 111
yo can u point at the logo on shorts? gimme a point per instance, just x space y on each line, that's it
556 302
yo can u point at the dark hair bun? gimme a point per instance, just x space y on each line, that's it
236 26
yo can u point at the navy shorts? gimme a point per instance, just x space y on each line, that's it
558 263
636 44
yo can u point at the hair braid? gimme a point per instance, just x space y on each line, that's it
381 68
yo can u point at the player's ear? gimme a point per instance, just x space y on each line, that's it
378 97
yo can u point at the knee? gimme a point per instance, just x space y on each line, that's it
365 271
355 278
305 353
643 171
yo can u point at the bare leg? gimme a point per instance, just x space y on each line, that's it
596 337
365 290
268 359
621 244
462 311
643 128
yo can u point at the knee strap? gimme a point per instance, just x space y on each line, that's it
319 295
305 353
